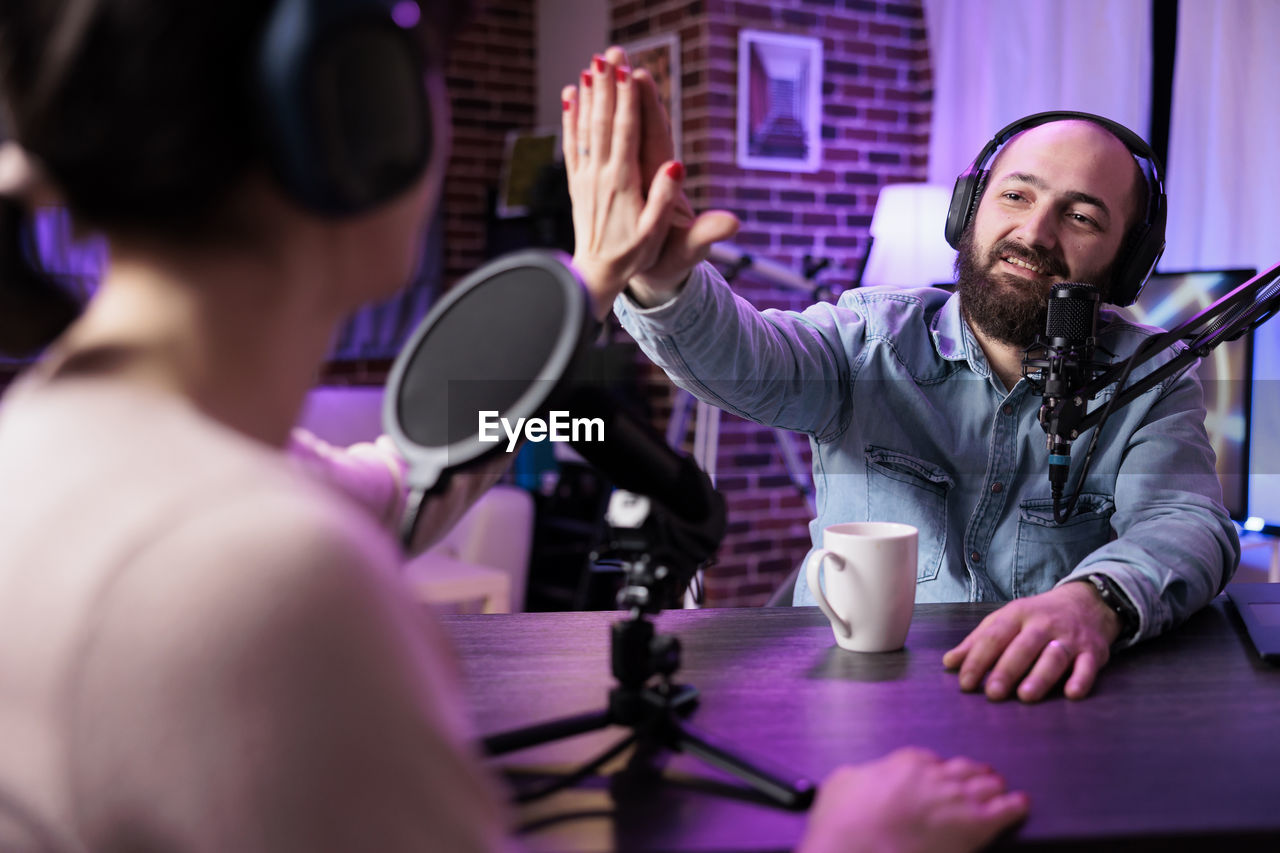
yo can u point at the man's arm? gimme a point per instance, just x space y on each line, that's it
780 368
1175 548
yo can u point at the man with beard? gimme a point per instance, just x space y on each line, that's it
917 412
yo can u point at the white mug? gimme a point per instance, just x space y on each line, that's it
871 583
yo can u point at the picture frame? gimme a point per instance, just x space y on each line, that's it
660 56
779 120
525 154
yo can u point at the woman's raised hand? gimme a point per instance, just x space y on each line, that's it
632 222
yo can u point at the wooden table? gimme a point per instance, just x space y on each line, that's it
1178 748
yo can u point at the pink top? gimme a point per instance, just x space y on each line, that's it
202 650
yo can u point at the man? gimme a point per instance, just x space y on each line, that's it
916 411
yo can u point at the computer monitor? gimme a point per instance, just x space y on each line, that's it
1170 298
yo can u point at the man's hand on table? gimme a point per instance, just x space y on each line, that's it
1031 643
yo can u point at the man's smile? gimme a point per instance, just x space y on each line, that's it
1023 266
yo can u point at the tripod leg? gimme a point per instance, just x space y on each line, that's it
785 789
517 739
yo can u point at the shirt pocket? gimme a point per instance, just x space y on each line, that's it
1047 551
912 491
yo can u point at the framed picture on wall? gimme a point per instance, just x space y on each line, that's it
779 102
660 56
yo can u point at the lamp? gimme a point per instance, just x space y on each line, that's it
908 248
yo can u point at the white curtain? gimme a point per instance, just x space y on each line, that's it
995 61
1224 137
1224 183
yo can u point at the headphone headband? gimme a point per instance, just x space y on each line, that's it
1134 269
343 110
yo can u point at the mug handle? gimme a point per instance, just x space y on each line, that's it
813 574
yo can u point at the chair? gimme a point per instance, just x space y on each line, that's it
495 535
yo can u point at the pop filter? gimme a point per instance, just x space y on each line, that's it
507 343
500 341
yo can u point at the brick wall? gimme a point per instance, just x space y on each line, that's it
491 79
877 89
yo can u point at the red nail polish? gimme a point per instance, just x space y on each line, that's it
586 78
623 74
599 61
676 171
565 103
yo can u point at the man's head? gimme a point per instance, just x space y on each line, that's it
1060 203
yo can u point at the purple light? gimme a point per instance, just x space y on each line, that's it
406 14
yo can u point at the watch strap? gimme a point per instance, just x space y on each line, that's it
1113 596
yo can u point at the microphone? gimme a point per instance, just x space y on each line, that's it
1064 365
637 459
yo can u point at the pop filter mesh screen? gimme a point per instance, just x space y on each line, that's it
483 354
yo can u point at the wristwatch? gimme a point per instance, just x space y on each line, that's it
1112 596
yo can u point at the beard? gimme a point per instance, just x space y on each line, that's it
1003 306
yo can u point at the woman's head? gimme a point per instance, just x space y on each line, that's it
146 115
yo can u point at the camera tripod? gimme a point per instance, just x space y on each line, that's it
654 707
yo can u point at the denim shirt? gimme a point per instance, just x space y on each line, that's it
908 423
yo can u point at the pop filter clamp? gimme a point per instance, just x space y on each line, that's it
509 340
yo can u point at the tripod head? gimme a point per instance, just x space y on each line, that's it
660 551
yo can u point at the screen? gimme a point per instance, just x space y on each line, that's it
1226 373
1268 614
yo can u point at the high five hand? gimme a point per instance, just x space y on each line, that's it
632 222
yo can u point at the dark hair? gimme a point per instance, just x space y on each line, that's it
139 111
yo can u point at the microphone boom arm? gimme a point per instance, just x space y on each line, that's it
1239 312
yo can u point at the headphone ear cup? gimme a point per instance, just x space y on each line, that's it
344 114
964 200
1145 254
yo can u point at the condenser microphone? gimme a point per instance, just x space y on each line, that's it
1070 336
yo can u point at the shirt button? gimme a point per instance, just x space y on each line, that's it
975 556
997 488
1008 410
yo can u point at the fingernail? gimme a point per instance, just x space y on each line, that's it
968 682
622 73
565 103
586 78
676 171
995 686
1028 688
600 63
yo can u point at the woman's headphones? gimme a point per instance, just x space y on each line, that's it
1134 269
342 102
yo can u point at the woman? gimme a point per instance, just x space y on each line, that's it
200 647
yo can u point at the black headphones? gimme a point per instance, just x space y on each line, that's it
1136 268
343 109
